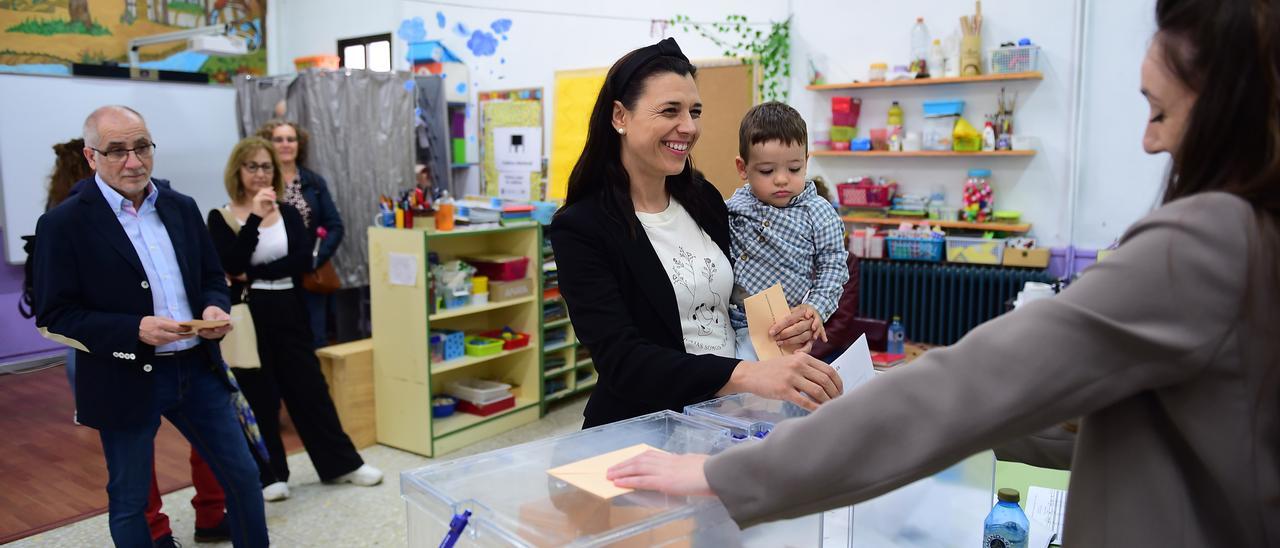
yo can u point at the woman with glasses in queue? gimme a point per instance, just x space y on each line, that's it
307 192
265 248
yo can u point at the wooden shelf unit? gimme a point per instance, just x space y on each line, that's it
405 380
1006 77
925 154
958 225
568 350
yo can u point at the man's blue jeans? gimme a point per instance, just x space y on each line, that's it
198 403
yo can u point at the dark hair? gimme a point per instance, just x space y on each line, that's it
772 121
1227 52
69 167
599 173
269 128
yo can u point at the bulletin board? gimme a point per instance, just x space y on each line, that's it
511 148
727 88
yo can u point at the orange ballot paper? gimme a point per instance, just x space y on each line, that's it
763 310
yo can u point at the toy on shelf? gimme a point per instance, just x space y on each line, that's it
511 339
978 198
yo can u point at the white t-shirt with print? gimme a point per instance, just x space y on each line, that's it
701 276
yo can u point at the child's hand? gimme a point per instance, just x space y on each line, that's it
813 322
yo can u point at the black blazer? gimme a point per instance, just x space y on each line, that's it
91 291
235 250
624 310
323 212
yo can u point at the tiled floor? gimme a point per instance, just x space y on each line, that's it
325 515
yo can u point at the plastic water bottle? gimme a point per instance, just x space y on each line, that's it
897 337
920 48
1006 526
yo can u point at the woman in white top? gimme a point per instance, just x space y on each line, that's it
265 248
642 246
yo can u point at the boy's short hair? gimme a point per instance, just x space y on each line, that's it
772 121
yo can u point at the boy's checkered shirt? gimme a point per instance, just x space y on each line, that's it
800 246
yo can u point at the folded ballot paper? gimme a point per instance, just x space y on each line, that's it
767 307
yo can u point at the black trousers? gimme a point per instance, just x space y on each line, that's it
290 371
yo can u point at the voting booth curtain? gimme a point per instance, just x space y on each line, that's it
361 125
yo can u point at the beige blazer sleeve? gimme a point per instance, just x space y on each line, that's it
1150 316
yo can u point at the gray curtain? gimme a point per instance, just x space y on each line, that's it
256 100
432 122
361 127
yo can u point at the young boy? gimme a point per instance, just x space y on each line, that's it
782 230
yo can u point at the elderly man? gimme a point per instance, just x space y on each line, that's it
122 266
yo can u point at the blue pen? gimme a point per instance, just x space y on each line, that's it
456 525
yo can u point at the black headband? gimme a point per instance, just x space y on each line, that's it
641 57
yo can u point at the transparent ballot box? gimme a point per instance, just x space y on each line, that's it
514 501
946 509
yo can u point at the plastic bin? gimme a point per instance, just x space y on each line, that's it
915 249
866 193
1015 59
483 346
500 268
942 510
517 340
962 249
453 343
514 502
324 62
478 391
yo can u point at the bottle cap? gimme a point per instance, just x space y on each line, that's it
1008 495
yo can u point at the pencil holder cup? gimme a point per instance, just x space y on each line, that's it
971 55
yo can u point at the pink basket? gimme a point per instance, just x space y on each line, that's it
866 194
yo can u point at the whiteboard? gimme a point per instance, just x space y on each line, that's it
193 125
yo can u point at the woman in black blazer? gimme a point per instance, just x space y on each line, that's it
657 328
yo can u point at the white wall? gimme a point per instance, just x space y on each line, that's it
299 28
852 35
1119 183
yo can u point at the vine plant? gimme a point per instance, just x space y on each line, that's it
770 52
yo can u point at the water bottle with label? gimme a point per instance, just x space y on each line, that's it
897 337
1006 526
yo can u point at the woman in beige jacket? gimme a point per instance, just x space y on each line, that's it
1169 350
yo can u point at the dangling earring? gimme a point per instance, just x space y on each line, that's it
622 131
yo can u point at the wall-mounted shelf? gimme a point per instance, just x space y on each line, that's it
1013 76
958 225
925 154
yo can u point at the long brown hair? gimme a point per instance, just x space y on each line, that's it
69 167
1228 52
599 172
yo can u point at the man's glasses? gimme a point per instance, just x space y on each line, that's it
258 168
117 155
284 139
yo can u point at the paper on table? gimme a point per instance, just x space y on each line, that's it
589 474
193 325
403 269
854 365
1047 506
763 309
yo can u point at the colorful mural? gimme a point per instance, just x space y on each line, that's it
47 36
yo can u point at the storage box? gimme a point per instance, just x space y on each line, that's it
975 250
487 409
453 343
459 146
1032 258
866 244
940 510
1015 59
501 268
915 249
517 340
516 503
506 291
866 193
483 346
323 62
478 391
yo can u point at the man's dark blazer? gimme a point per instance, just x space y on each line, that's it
92 293
624 310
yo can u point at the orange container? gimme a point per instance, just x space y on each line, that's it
444 217
327 62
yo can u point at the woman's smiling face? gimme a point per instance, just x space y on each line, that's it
660 131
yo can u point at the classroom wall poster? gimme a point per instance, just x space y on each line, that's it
575 96
511 151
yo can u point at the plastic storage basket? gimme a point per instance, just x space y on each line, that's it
915 249
453 343
478 391
483 346
517 340
866 194
962 249
1015 59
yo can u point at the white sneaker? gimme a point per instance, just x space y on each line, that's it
365 475
275 492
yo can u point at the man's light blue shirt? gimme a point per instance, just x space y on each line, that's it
151 241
